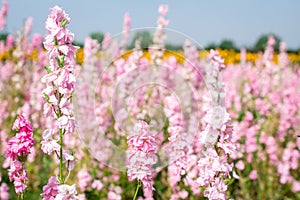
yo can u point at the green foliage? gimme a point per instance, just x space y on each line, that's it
3 36
227 44
97 36
173 47
211 46
261 42
144 37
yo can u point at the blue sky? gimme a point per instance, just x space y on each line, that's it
204 21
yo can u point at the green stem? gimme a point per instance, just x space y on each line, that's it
61 157
137 189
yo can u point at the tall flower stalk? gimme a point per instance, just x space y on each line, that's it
214 167
141 156
19 148
59 82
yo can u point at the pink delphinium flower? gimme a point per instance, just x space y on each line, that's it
66 192
10 42
157 49
97 184
19 147
217 191
114 193
216 59
48 143
28 25
3 14
18 174
163 9
91 47
106 41
60 82
69 160
84 179
216 117
126 28
51 189
4 191
269 50
253 175
141 154
283 59
217 139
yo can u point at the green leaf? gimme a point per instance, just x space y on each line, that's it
48 69
63 61
55 41
229 181
58 61
46 97
64 22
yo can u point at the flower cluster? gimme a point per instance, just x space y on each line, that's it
283 59
141 154
157 49
60 82
54 191
216 59
19 148
3 14
269 51
4 191
216 138
60 78
51 189
126 28
178 142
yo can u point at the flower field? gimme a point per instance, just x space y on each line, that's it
106 122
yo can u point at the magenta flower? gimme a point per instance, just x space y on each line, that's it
20 145
21 124
19 148
18 174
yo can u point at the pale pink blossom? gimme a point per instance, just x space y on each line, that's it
69 160
217 191
216 60
217 116
163 9
141 154
97 184
4 191
51 189
84 179
66 192
253 175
